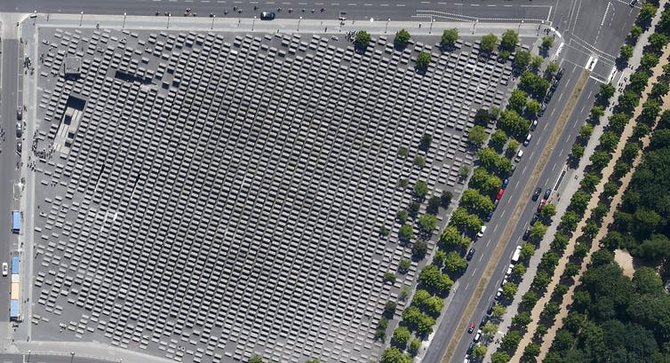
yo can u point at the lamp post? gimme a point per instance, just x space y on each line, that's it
34 16
29 355
387 25
299 20
168 23
81 19
253 24
71 357
474 25
213 16
124 20
432 20
519 28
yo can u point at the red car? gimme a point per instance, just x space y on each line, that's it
541 205
500 194
471 328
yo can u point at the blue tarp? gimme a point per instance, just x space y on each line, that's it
15 264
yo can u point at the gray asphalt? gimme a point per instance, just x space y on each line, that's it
8 159
35 358
354 9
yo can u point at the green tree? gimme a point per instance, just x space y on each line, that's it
400 337
362 39
312 360
433 206
402 38
431 279
509 40
536 86
419 250
498 140
389 277
389 309
403 151
635 32
426 140
404 266
626 52
498 311
512 146
420 189
509 290
522 319
547 42
482 117
522 60
255 359
479 351
423 60
445 199
414 346
488 43
537 232
510 341
527 251
645 15
454 262
657 41
541 280
585 131
477 136
427 223
406 232
548 212
384 231
528 300
401 216
449 38
532 108
649 60
536 62
606 91
532 350
517 101
552 69
419 161
577 151
394 355
500 357
647 281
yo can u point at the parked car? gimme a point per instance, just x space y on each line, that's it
471 327
541 205
534 219
19 114
519 155
547 193
5 269
481 232
19 129
490 309
470 254
533 126
489 216
527 141
536 194
505 183
477 336
485 318
19 147
500 193
526 234
267 15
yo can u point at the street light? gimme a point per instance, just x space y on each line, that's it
253 23
81 19
432 20
299 20
168 23
124 20
474 25
387 25
71 357
213 16
519 28
29 355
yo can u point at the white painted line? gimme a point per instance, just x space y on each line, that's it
495 228
491 5
503 213
605 14
549 13
612 74
474 4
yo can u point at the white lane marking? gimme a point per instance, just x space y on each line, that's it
503 213
605 14
495 228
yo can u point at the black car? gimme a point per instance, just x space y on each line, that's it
490 309
471 346
559 75
267 15
485 318
534 219
470 254
18 147
19 129
489 216
526 234
547 193
537 193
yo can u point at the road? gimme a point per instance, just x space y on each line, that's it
466 10
596 30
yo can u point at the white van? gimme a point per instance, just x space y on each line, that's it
481 232
519 155
527 141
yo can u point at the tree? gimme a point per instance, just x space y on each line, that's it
419 250
445 199
454 262
426 140
489 329
384 231
451 238
402 38
510 341
522 60
517 101
488 43
547 42
522 319
431 279
527 251
537 232
312 360
488 158
512 146
532 108
400 337
482 117
599 160
401 216
647 281
413 209
655 249
577 151
362 39
597 112
394 355
477 136
509 290
389 277
449 38
255 359
606 91
536 62
406 232
479 351
423 60
532 350
420 189
403 151
657 41
427 223
635 33
541 280
498 311
433 206
389 309
647 12
548 212
414 346
649 60
536 86
500 357
585 131
552 69
509 40
625 52
463 171
569 220
528 300
419 161
404 266
498 140
433 306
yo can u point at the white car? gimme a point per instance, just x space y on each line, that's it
5 269
481 232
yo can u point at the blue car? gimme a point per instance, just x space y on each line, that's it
489 216
505 183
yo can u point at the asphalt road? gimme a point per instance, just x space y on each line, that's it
37 358
8 159
466 10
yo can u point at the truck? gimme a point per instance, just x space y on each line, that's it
516 255
16 221
14 310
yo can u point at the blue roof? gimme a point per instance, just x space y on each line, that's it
16 220
15 264
14 308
